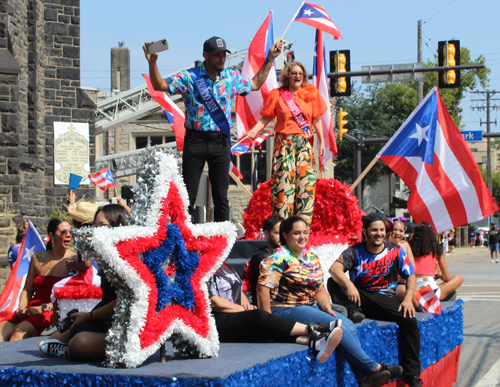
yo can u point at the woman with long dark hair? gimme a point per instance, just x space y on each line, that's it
428 254
291 287
46 268
86 338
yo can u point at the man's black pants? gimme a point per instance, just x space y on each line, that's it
217 152
378 306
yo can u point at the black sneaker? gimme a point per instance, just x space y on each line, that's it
413 381
53 347
323 328
357 317
377 379
323 344
395 370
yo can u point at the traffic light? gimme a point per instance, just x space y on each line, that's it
340 62
449 55
341 123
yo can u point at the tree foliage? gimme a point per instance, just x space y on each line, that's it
495 183
379 111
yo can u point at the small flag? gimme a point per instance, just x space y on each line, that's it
428 299
74 181
174 115
248 143
103 179
9 299
316 16
235 170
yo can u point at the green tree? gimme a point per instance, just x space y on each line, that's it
379 110
495 183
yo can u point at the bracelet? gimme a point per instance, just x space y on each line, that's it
91 317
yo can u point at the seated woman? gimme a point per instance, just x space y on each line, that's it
291 287
428 253
46 268
239 321
86 338
397 235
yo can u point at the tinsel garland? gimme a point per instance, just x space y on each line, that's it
152 305
441 334
78 292
336 218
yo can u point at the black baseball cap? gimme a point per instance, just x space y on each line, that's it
215 46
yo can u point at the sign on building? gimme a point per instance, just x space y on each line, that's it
472 135
71 152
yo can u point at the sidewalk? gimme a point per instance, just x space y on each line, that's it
468 255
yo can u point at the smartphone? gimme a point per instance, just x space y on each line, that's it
160 45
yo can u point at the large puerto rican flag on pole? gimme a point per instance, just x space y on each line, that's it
248 108
431 156
175 116
316 16
321 83
9 299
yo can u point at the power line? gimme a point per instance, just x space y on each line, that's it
442 9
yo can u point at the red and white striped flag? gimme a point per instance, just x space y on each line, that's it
175 116
232 168
103 179
248 108
316 16
321 83
428 299
248 143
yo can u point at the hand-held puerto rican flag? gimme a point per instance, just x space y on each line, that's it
248 143
428 299
175 116
237 173
316 16
431 156
103 179
9 299
248 108
321 83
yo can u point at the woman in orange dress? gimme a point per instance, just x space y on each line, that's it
297 106
46 268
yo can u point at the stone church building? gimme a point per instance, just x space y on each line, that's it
39 85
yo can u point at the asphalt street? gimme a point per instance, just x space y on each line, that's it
480 355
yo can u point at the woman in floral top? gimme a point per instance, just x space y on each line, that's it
291 286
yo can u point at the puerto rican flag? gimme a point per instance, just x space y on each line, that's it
316 16
248 108
248 143
175 116
428 299
431 156
237 173
103 179
9 299
320 80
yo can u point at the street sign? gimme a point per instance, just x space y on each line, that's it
405 77
472 135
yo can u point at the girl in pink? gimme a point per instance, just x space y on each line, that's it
428 254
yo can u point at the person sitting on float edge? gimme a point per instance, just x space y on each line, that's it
271 227
291 287
373 271
238 321
86 338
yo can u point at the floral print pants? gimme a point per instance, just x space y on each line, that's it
293 181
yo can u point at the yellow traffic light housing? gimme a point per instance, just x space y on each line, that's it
341 123
449 55
340 62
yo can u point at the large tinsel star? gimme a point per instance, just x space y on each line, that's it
162 266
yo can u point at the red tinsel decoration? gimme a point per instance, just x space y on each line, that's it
336 218
79 292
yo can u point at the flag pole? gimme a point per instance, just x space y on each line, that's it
289 24
240 184
363 174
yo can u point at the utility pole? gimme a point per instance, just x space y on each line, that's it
420 84
488 108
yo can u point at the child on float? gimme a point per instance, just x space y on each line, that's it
428 255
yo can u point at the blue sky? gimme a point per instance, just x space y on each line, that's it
377 32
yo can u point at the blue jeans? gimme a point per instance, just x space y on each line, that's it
494 247
350 347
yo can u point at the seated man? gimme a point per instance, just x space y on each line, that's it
373 267
271 229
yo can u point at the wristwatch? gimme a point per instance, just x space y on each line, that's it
45 308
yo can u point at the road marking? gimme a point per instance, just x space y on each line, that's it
492 377
491 297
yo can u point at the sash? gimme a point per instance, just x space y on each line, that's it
297 113
209 101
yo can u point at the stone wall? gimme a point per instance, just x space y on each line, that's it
43 36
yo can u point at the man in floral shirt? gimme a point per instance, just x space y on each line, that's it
205 90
